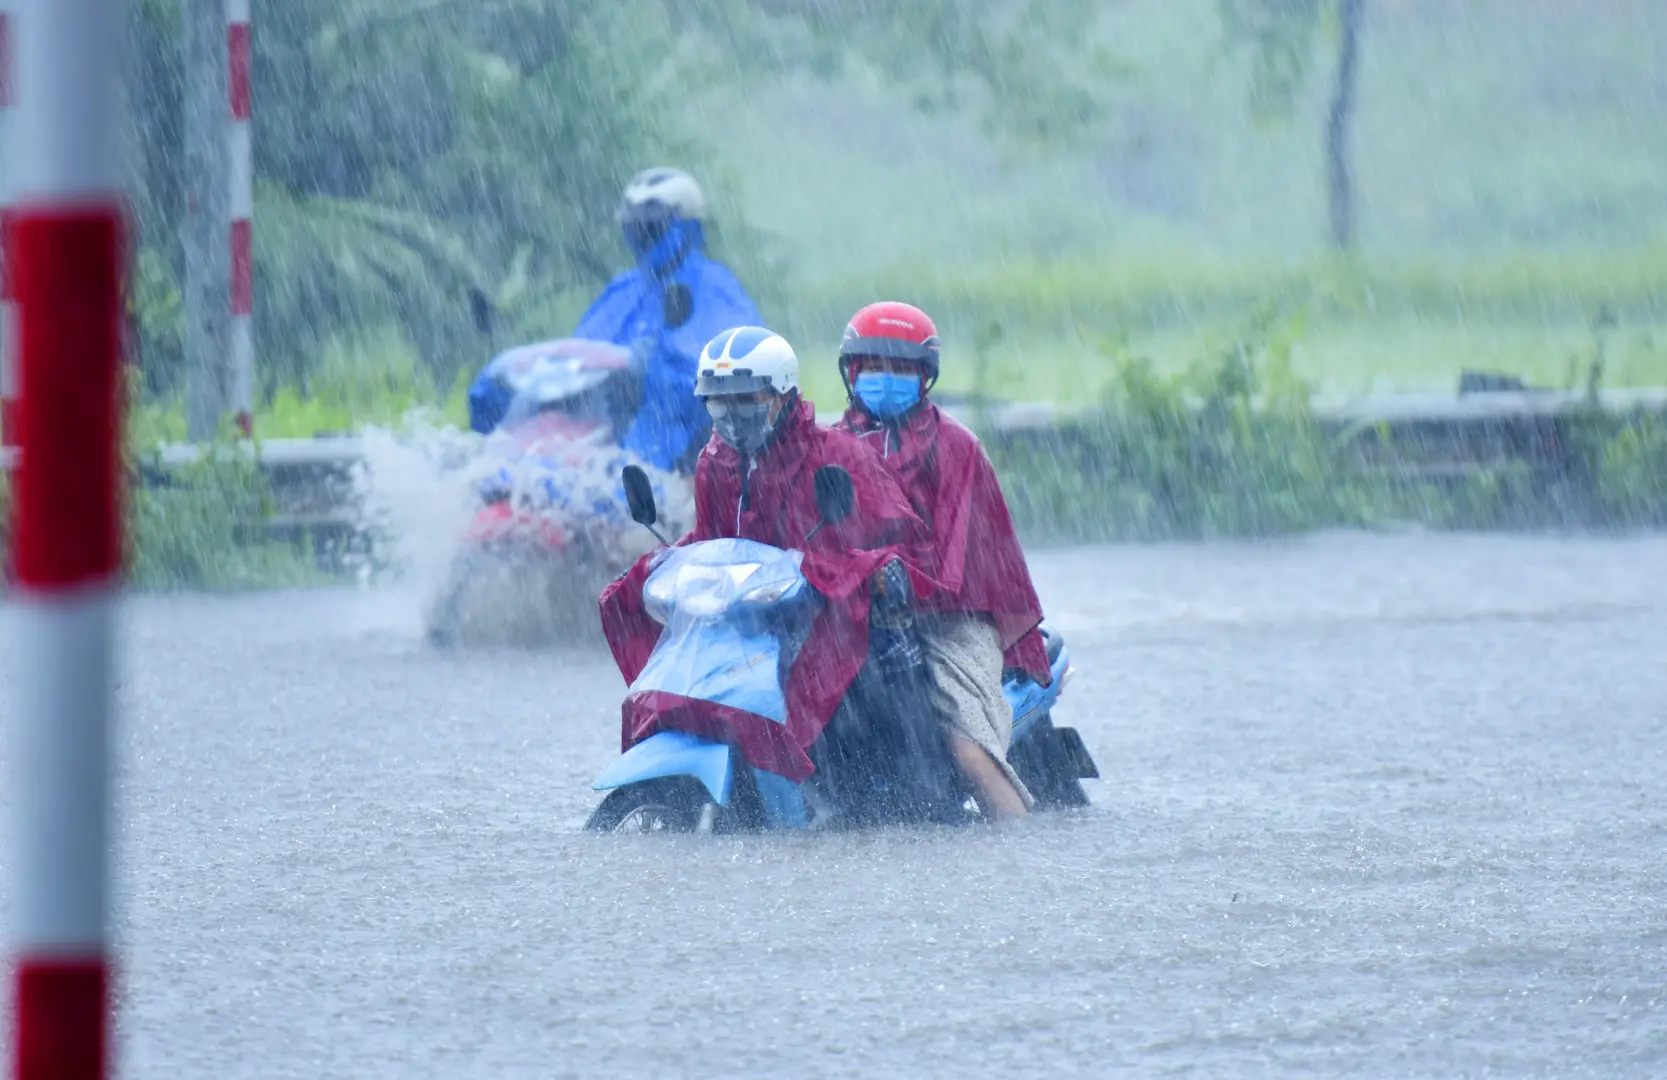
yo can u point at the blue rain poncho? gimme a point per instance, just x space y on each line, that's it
631 312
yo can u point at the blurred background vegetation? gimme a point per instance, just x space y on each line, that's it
1093 178
1188 215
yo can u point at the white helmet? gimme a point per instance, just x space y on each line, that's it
746 360
735 366
672 189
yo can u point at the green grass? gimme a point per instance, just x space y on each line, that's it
1371 326
373 377
1375 326
1345 357
1153 291
289 416
1337 356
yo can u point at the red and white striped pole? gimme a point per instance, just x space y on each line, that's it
64 244
242 206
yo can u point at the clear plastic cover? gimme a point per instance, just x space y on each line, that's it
735 613
563 374
563 366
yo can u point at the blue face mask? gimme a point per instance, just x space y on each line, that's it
886 394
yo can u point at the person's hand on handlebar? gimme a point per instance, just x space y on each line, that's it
642 351
891 583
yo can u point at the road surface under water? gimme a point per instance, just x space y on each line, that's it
1372 805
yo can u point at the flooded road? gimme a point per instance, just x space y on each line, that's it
1372 805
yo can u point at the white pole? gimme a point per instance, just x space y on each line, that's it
65 248
9 419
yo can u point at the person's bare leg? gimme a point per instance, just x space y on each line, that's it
996 793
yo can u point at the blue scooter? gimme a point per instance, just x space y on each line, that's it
736 613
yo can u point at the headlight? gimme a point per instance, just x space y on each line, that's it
659 596
697 590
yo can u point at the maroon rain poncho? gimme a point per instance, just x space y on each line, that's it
976 556
838 561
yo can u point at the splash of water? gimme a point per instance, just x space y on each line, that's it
416 487
419 491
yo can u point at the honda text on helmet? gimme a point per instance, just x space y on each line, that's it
889 358
749 378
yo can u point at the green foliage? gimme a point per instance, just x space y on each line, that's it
1030 68
1631 471
408 151
1231 447
1225 448
1143 291
156 311
1280 37
198 526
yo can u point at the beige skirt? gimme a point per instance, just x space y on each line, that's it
963 656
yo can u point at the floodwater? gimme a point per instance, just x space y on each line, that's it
1372 805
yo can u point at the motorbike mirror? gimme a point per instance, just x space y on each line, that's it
639 496
480 309
834 494
678 304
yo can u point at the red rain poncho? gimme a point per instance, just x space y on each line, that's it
838 562
976 556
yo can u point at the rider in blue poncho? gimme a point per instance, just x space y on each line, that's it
664 310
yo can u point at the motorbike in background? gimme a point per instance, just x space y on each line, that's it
551 526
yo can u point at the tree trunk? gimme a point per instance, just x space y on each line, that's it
208 269
1340 184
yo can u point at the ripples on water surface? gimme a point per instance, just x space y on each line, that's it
1371 806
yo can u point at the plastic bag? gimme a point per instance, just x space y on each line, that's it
736 613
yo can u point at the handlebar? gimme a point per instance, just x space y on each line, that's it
893 597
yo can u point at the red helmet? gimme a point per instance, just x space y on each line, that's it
893 330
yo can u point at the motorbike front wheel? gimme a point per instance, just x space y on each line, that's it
674 804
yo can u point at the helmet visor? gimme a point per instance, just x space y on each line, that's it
890 348
711 385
